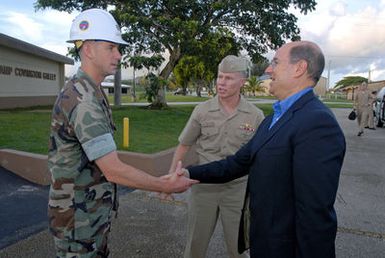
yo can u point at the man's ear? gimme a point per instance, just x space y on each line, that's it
301 68
87 49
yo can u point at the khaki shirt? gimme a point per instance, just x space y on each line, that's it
363 99
217 134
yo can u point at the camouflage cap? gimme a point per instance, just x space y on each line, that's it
231 64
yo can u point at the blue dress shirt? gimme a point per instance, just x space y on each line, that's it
281 106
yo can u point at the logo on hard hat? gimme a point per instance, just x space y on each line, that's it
83 25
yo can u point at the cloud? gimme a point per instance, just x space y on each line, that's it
351 35
56 26
48 29
338 9
357 40
21 26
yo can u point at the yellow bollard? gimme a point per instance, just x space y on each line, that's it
126 130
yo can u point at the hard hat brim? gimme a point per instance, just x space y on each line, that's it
120 42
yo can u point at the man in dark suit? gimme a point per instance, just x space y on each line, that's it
293 161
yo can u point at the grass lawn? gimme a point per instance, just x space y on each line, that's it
151 131
25 130
169 98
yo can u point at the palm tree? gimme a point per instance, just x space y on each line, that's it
253 85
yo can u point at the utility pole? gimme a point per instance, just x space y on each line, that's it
133 84
133 76
118 88
330 61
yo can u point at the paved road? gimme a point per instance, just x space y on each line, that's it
360 203
149 228
23 208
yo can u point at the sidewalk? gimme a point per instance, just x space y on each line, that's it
147 228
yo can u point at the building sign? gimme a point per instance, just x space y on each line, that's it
22 72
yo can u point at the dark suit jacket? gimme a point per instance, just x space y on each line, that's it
294 170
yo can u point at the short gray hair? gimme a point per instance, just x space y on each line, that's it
313 56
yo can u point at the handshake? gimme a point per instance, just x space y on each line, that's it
176 182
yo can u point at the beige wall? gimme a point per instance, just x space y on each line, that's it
376 86
26 79
321 87
33 167
372 86
13 102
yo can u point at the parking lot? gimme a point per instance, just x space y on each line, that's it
147 227
360 202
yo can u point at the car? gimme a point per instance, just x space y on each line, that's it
379 108
178 91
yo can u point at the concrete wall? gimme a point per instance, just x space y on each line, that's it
23 74
15 102
372 86
33 167
28 80
321 87
29 75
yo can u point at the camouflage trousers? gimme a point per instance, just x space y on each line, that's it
92 248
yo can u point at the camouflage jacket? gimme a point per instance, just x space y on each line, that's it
80 198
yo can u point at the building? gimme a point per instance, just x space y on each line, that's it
320 89
349 91
29 75
109 88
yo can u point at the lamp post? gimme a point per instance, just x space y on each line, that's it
133 94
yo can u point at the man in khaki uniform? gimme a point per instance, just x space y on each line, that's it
363 105
372 100
218 128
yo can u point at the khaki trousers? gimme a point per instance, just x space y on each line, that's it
206 203
362 117
370 118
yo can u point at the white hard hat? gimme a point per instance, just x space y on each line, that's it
95 24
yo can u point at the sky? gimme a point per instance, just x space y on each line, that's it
350 33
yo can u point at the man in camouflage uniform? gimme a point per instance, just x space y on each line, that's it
218 128
82 154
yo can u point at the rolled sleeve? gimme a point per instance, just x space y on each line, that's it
99 146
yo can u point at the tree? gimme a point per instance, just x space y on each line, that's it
259 67
183 71
151 87
253 85
192 69
349 81
176 26
137 61
210 52
172 85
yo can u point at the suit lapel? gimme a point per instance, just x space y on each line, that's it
264 134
